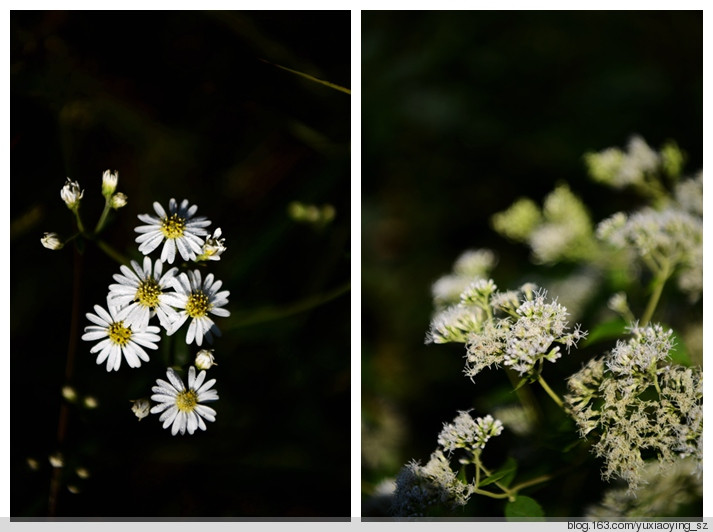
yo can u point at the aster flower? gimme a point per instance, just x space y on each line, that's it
141 293
213 247
118 339
178 228
197 298
180 407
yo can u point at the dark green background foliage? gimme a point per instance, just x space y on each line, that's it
463 113
182 106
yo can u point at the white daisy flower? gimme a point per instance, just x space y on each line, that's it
178 228
213 247
118 339
140 294
197 299
180 406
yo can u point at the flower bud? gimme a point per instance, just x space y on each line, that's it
118 200
71 194
141 408
51 241
109 181
205 359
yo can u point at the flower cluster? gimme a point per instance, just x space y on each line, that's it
419 488
667 241
436 484
637 402
472 265
619 169
124 330
666 490
467 433
562 230
514 328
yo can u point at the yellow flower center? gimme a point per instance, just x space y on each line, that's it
173 226
186 401
119 334
197 305
148 292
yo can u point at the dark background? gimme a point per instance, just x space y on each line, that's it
462 114
182 105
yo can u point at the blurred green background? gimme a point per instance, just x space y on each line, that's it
184 105
462 114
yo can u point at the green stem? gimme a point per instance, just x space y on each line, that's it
550 392
525 396
531 482
103 218
80 225
655 296
493 495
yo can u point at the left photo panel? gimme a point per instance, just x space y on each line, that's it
180 265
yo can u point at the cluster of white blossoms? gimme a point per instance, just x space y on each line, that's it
472 264
561 230
666 241
637 404
516 329
124 329
619 169
667 490
468 433
419 488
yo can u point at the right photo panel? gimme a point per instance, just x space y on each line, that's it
532 265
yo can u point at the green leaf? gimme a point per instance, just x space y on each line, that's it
504 475
524 507
311 78
679 354
605 331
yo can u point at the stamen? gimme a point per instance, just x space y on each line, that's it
173 226
186 401
148 292
119 334
198 305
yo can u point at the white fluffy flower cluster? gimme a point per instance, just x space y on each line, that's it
638 404
419 488
561 230
468 433
472 265
667 241
514 328
618 169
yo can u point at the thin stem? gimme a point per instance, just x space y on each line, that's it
103 217
549 391
525 396
656 294
63 422
531 482
493 495
78 218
